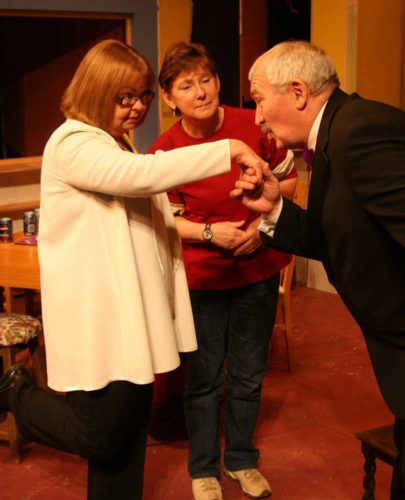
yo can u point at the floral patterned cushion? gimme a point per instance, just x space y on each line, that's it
18 329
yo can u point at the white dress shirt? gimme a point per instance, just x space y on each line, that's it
268 225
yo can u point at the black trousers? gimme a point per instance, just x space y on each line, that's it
108 427
398 477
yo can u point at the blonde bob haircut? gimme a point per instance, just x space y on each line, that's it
107 68
297 60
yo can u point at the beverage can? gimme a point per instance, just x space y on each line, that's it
37 213
29 223
6 230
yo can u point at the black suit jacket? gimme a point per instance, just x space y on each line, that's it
355 224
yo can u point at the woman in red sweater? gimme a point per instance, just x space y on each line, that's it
233 280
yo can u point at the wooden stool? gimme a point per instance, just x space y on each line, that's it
19 332
376 443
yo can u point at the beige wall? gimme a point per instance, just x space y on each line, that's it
366 40
328 30
380 51
174 25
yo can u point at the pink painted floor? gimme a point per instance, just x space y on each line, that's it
305 431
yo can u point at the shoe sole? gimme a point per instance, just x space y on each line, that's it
265 494
17 372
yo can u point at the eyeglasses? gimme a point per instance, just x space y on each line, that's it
129 100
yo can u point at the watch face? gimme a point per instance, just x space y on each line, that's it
207 234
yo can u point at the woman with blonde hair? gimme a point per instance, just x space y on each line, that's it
109 258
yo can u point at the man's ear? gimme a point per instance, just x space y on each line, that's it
300 93
168 100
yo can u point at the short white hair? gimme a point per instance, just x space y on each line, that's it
297 59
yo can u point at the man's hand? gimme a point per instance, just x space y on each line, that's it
259 194
247 159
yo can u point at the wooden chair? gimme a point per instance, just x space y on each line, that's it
20 332
284 323
22 301
376 443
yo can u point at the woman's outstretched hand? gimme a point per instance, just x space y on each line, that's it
247 159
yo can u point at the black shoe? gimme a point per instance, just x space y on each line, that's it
15 375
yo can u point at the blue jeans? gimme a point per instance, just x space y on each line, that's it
233 325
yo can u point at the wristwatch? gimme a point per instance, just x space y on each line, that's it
207 232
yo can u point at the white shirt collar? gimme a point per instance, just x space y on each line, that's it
313 134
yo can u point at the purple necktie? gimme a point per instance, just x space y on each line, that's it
308 155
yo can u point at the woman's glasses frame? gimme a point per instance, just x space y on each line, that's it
128 100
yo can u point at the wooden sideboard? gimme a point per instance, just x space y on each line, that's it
19 171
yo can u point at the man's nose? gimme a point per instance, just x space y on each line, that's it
259 120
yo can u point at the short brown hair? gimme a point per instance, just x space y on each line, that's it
184 57
107 66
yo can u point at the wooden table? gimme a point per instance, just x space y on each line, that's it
19 268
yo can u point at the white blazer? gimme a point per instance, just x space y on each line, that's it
115 301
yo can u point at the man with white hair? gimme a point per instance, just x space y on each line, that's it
355 221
